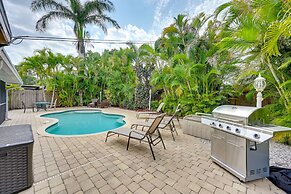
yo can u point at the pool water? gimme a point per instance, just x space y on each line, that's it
83 122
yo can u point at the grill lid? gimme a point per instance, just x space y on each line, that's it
232 110
242 114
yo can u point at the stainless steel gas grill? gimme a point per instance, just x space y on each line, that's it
240 140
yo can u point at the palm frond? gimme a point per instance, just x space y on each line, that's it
101 20
98 6
286 64
145 50
76 7
39 5
274 32
170 30
235 44
42 23
286 83
221 8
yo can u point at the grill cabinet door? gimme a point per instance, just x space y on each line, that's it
257 160
236 153
218 144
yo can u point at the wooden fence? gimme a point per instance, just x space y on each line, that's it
27 96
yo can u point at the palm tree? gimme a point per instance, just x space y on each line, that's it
91 12
144 61
253 30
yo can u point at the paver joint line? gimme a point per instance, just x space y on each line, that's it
70 170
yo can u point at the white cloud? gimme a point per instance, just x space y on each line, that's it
164 16
128 33
207 6
160 19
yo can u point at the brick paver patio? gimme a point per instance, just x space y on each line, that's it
89 165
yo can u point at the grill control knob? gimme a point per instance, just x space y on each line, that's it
220 126
228 128
237 130
256 136
212 124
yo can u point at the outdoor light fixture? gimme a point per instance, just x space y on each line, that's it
259 85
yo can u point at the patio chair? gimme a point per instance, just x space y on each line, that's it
94 103
54 105
152 135
23 106
166 123
149 113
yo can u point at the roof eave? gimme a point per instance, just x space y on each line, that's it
15 79
5 27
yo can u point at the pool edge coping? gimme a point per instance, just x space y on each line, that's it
47 122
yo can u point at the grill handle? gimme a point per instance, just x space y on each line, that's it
253 147
232 120
202 114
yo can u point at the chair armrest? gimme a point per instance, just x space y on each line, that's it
138 124
136 133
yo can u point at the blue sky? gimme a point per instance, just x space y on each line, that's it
140 20
135 14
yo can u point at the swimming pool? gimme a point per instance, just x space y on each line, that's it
81 122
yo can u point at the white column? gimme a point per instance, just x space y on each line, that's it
259 99
6 113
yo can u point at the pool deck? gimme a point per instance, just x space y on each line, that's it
89 165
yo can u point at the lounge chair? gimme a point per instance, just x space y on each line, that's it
163 125
146 114
94 103
54 105
152 135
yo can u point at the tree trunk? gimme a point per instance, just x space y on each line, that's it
279 88
81 97
81 48
53 96
43 93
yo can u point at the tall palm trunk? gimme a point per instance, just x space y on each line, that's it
53 96
81 97
81 48
279 87
81 52
43 93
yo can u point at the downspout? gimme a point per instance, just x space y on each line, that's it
6 103
6 113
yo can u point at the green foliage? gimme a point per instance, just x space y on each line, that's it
199 62
111 74
154 104
205 103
